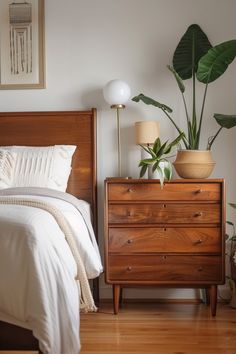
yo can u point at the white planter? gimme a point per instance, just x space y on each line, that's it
155 174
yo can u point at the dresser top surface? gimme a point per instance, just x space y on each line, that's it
178 180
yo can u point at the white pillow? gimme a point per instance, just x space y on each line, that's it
7 164
46 166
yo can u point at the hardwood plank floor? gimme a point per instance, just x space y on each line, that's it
150 328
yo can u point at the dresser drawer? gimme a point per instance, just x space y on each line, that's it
164 239
164 213
165 269
171 191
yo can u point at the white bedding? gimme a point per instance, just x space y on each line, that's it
38 290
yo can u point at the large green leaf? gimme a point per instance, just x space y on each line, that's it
225 121
161 174
213 64
157 145
143 170
168 171
161 151
177 78
149 150
147 162
151 101
192 46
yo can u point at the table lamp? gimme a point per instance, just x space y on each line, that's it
146 133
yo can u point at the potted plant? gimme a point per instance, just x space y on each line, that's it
195 58
232 260
158 160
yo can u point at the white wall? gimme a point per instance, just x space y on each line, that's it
89 42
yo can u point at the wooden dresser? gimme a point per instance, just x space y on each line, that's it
171 237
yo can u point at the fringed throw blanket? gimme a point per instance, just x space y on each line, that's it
86 299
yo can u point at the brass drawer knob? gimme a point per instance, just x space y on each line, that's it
199 191
129 268
198 213
129 241
130 190
198 242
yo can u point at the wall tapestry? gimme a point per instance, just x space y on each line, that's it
22 44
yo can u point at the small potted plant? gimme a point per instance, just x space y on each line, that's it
159 158
195 58
232 259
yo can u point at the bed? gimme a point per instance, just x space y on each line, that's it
47 129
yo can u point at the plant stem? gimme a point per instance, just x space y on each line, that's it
202 110
176 126
187 116
185 106
195 143
194 101
213 139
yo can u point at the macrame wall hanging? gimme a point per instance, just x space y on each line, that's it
20 17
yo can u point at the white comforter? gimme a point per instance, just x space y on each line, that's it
38 290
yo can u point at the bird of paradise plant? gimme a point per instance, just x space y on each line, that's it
195 58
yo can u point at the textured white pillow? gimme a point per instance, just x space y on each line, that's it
7 164
46 166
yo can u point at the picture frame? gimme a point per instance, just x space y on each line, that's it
22 52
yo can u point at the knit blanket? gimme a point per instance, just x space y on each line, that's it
52 193
86 299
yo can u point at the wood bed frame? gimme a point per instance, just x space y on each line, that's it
54 128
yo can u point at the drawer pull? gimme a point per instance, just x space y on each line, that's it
199 191
164 205
129 268
200 269
129 241
129 213
130 190
198 242
199 213
164 257
164 229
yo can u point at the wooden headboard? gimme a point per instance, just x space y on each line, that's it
55 128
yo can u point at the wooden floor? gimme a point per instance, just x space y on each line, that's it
160 329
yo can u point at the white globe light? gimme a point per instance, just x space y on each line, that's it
116 92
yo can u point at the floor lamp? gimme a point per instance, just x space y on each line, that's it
116 93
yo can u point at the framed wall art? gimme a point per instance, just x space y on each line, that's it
22 57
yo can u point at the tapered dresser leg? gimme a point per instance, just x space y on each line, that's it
116 298
213 299
121 297
207 292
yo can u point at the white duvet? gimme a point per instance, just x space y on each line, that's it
38 290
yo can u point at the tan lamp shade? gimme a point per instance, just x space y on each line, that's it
146 132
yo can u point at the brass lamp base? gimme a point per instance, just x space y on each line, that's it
118 106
